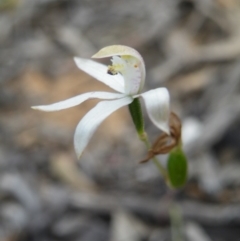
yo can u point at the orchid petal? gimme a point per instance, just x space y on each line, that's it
99 72
157 105
93 119
78 100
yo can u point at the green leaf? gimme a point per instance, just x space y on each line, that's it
177 168
137 117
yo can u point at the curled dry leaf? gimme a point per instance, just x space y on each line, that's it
165 143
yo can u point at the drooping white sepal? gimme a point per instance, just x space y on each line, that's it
93 119
99 72
157 105
78 100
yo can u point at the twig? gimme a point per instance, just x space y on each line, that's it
208 214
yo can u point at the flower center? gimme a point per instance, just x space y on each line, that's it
128 67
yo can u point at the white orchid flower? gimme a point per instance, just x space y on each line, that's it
126 75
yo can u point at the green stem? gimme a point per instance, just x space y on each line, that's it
137 117
159 166
176 222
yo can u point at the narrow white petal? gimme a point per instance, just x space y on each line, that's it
93 119
157 104
99 72
78 100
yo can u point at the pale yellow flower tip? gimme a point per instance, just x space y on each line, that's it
114 50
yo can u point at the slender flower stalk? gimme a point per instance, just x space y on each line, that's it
159 166
126 75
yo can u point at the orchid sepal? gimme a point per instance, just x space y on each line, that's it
157 105
93 119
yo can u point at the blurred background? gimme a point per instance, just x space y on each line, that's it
190 46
